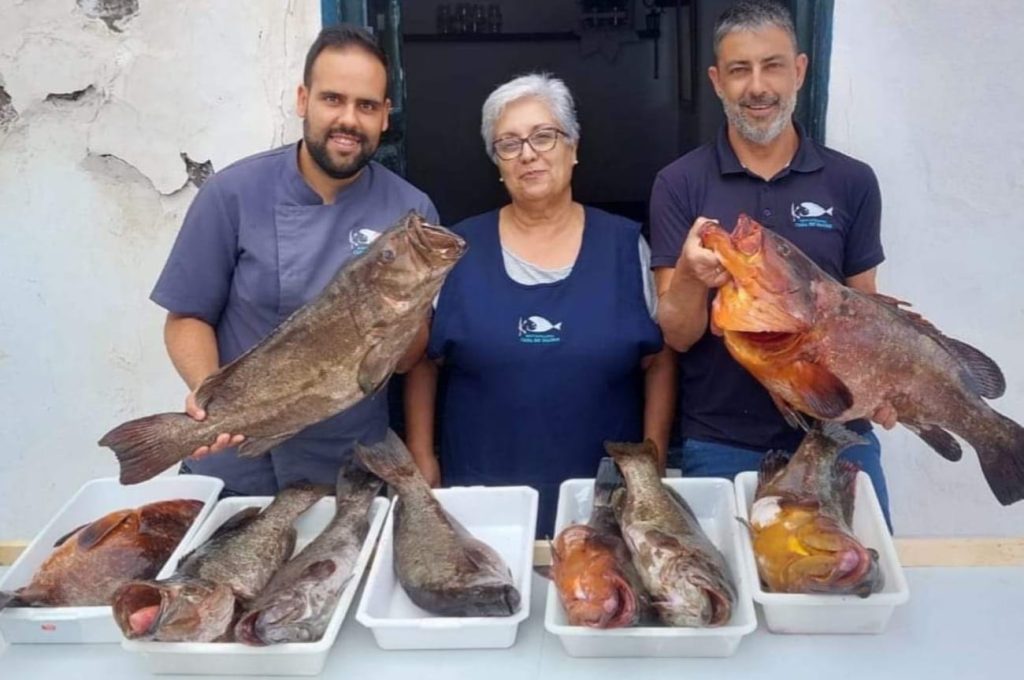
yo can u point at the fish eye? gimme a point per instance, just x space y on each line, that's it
387 256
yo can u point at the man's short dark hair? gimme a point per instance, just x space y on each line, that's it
751 15
338 37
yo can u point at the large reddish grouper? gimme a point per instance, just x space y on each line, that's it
836 353
93 561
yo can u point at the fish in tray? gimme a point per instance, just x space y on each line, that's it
592 568
801 516
326 357
441 566
684 572
198 603
297 604
835 353
94 560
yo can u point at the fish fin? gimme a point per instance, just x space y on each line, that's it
236 521
678 498
794 419
607 481
9 599
986 377
983 374
544 571
147 446
772 463
64 539
840 435
999 443
939 440
319 570
389 460
623 451
211 385
825 394
253 447
354 479
376 368
94 534
845 487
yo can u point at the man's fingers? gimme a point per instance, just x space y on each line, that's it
201 451
237 439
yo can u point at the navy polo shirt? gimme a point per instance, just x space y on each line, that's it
826 203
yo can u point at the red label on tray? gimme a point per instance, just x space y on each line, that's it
49 627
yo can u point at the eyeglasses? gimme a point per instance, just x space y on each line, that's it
509 148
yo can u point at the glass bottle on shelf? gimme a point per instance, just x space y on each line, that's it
494 18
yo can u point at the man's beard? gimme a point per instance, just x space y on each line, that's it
751 130
346 169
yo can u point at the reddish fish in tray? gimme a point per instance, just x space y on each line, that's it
801 520
592 568
93 561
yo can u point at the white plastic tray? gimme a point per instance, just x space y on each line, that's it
714 503
797 613
234 658
503 517
95 499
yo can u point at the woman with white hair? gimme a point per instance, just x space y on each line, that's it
544 329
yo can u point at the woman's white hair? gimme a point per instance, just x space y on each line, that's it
544 87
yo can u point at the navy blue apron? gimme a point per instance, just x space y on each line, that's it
538 377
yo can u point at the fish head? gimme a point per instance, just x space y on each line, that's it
770 290
802 550
406 265
593 588
698 594
287 617
174 611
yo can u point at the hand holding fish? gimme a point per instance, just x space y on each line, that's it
699 263
223 440
886 416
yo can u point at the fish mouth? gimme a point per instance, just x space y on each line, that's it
192 611
434 241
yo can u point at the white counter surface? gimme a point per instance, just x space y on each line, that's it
960 623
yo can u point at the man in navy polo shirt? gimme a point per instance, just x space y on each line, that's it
761 163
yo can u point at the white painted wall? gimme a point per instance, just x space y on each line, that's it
929 92
83 235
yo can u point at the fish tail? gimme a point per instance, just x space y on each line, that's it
637 455
356 481
608 480
999 443
390 461
148 446
7 599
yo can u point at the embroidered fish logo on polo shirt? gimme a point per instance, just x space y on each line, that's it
811 215
360 239
536 330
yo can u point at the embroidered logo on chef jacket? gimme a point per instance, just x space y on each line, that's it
361 239
809 215
536 330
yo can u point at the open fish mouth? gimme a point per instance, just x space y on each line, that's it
435 241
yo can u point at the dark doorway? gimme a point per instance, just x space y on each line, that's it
637 69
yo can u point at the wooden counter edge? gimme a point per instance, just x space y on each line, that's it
913 552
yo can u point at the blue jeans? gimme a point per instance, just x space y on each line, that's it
708 459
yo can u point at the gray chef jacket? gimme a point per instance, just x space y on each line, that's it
258 243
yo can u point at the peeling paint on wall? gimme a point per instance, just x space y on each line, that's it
7 112
114 13
197 172
70 96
